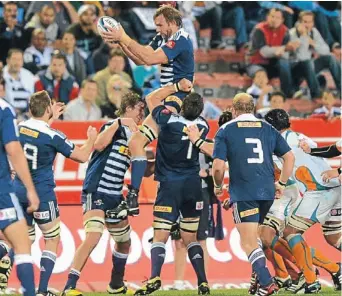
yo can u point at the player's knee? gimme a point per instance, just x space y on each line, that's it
52 233
266 236
121 235
94 225
32 233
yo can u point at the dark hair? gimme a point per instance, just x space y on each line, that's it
225 117
192 106
277 93
130 99
10 3
278 118
260 70
14 50
2 81
57 54
170 14
277 10
39 101
87 80
116 52
305 13
46 6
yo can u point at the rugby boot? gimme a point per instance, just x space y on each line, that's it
337 278
122 290
253 288
313 288
5 271
269 290
151 286
132 201
203 289
283 283
71 292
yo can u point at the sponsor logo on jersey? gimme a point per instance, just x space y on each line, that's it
170 44
163 209
41 215
28 132
335 212
7 214
249 124
124 150
249 212
199 205
173 99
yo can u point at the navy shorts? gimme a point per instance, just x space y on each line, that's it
10 210
202 231
180 197
251 211
101 201
176 100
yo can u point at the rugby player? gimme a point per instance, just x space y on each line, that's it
13 224
172 49
102 199
41 144
179 194
320 204
248 145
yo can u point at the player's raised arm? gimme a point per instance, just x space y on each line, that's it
131 56
82 154
155 98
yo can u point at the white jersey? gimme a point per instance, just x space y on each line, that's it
308 169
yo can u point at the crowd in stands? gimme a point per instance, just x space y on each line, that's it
55 46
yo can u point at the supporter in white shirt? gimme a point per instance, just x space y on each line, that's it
84 107
37 57
19 81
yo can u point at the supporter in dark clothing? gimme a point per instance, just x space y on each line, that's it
12 35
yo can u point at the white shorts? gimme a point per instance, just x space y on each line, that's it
317 206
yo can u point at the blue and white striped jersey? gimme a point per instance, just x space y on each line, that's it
180 53
8 133
106 170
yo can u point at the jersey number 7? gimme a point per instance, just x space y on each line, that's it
257 150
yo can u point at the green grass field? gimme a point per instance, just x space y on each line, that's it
235 292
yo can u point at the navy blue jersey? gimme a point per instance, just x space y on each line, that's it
106 169
176 157
248 144
41 143
8 133
180 53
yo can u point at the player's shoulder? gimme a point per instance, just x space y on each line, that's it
202 121
6 107
40 128
181 33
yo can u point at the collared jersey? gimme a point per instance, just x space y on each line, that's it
248 145
176 158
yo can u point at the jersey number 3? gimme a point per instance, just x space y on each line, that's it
31 153
257 150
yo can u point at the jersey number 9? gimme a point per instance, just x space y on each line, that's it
257 150
31 153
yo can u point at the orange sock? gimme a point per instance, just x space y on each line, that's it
277 263
318 259
301 251
291 270
280 246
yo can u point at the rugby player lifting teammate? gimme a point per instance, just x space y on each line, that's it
173 50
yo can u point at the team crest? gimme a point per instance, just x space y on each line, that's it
170 44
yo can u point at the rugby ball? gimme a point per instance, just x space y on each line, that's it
106 21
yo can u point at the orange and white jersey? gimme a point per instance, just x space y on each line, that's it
308 169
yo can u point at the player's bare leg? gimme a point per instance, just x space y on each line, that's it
51 233
17 236
180 264
148 132
189 228
120 233
93 222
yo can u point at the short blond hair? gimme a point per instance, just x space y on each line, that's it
126 85
243 103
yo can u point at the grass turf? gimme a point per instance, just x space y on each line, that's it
235 292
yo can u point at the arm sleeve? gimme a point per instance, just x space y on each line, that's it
326 152
9 129
272 4
156 41
281 146
220 146
63 145
173 48
258 39
161 115
321 46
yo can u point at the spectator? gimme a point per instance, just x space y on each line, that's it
75 63
277 101
2 88
260 89
211 111
57 81
19 81
270 48
117 87
12 35
45 19
87 39
328 110
116 65
312 44
37 57
84 108
65 13
207 14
